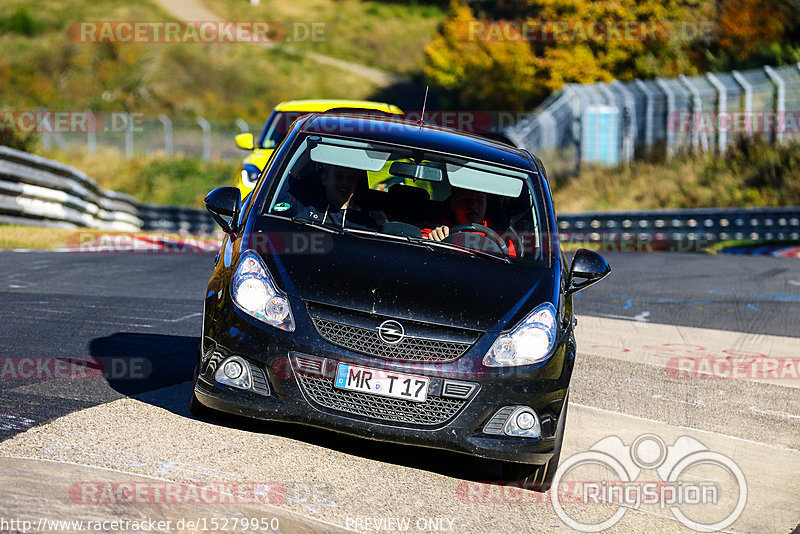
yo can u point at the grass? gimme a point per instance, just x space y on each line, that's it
389 36
159 179
33 237
42 67
14 237
753 174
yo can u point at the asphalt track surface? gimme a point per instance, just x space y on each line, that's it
140 315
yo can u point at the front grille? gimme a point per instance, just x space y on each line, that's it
366 341
434 411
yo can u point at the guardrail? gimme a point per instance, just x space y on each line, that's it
680 230
38 191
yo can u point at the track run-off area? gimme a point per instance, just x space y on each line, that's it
687 378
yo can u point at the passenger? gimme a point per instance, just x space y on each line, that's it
339 204
465 206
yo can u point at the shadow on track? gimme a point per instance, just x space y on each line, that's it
145 366
134 363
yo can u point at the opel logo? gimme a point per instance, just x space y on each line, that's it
391 332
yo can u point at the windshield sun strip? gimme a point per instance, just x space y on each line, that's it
429 151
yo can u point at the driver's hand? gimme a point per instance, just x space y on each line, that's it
439 233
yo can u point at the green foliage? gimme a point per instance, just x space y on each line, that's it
22 22
219 81
158 178
26 142
182 181
475 73
670 37
774 171
753 174
389 35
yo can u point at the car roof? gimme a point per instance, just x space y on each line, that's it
412 134
315 106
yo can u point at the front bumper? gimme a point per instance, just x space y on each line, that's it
460 429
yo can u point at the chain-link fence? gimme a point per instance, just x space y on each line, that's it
134 134
611 123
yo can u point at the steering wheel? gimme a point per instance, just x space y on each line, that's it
479 228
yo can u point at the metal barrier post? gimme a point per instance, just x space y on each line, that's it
242 125
548 125
128 134
628 121
648 113
576 124
698 138
206 127
163 119
748 98
91 134
670 110
780 103
722 109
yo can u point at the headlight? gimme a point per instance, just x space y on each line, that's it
529 342
250 175
256 294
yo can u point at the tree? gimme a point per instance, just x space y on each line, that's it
491 60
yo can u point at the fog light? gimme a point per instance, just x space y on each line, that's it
234 372
523 423
525 420
233 369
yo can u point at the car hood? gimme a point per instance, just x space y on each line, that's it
405 281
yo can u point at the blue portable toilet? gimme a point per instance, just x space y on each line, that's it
600 135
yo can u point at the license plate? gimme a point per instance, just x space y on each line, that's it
381 382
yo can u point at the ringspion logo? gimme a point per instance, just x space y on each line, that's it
690 484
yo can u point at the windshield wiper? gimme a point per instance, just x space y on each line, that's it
452 246
391 237
307 222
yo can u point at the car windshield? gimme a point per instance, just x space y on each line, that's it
278 126
280 122
444 202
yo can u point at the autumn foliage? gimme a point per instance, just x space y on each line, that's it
510 54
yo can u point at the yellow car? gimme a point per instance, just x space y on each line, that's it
278 125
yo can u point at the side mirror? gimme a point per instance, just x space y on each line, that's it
588 268
224 204
245 141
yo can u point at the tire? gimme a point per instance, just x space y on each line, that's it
197 408
539 477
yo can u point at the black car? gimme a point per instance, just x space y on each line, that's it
399 282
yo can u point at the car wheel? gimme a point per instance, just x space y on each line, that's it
197 408
539 477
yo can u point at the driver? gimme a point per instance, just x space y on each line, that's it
465 206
